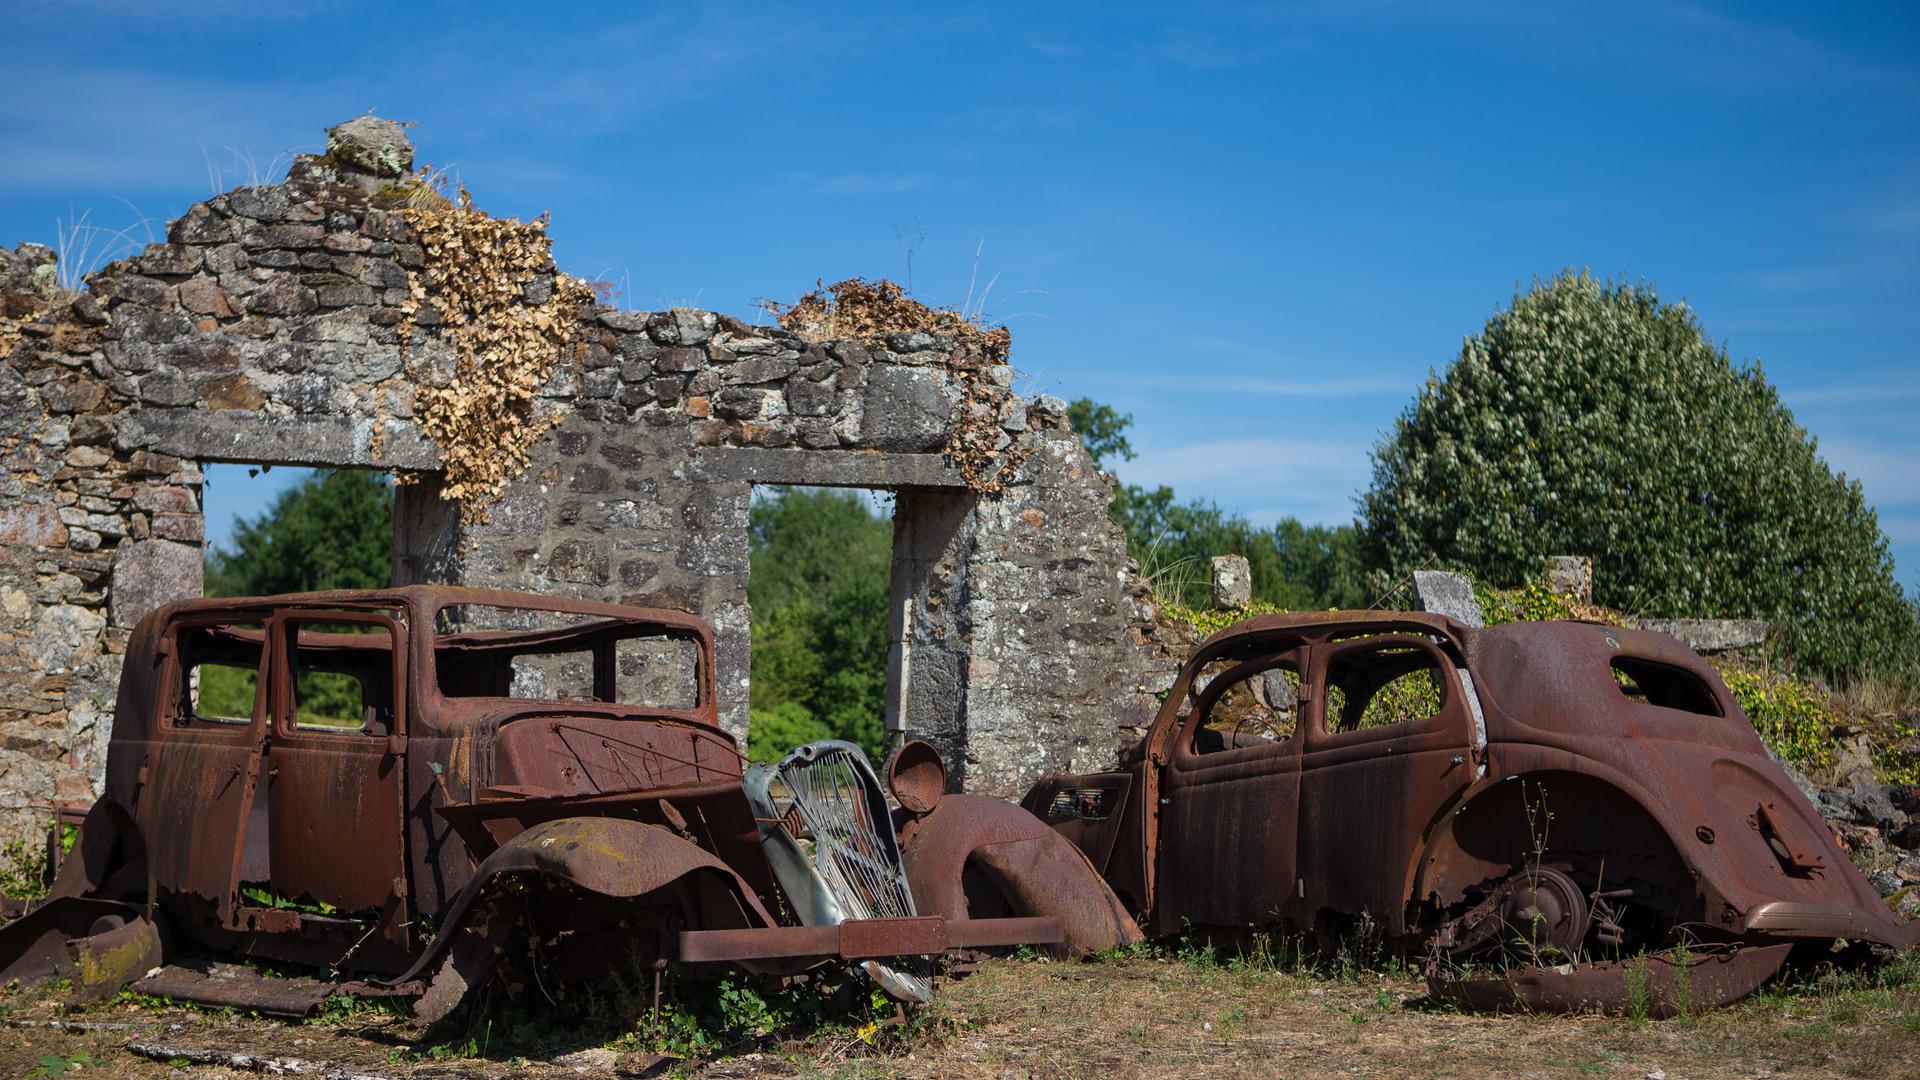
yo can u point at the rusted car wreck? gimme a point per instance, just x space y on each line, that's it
1561 815
407 787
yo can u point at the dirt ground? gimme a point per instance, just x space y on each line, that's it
1164 1015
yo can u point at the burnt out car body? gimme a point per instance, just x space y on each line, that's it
407 784
1580 791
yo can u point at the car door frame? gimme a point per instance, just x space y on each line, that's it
198 781
306 770
1227 817
1369 796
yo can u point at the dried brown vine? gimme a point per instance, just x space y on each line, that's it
859 309
480 277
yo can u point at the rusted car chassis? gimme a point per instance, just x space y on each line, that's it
1548 810
408 788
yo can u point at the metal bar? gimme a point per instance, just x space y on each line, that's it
860 939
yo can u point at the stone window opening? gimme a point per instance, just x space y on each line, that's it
235 494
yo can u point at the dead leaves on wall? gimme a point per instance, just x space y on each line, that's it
495 298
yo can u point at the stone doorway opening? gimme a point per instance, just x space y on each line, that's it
856 616
820 633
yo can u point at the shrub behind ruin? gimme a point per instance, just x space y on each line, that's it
1591 417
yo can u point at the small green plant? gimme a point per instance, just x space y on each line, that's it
1794 718
23 869
1639 1000
1683 980
259 894
1209 621
1532 602
60 1065
340 1009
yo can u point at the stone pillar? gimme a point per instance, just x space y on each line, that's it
1445 593
1570 576
927 629
1232 582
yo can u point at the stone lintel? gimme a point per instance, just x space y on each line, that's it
1712 635
251 437
826 468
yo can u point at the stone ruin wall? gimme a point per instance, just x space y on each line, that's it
267 329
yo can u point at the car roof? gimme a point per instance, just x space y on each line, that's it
431 597
1416 621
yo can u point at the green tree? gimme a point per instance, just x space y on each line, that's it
1294 565
332 530
818 586
1102 428
1591 418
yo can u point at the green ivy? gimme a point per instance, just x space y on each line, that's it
1794 718
23 866
1207 622
1533 602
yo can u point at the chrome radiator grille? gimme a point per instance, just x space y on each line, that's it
831 844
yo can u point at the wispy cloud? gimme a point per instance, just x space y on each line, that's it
1885 468
1745 54
1896 219
1265 478
91 126
1057 50
171 12
1904 529
146 127
1274 378
861 183
1263 462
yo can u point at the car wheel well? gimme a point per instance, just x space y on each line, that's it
1556 818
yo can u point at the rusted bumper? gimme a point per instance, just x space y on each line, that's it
866 939
1793 919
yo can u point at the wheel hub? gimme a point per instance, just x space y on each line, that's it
1548 909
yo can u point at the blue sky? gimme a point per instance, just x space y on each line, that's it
1253 227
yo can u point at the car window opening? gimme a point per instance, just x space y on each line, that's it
221 674
1664 686
1249 704
484 651
342 677
1383 687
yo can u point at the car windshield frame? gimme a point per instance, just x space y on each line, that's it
598 631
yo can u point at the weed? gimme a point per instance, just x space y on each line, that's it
339 1009
1793 717
23 869
60 1065
695 1019
84 247
1683 979
1638 998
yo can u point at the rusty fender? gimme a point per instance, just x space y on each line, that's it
613 857
99 946
1716 842
1036 869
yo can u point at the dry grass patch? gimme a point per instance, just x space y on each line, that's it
1141 1016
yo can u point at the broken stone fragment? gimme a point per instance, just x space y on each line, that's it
1711 635
1444 593
1232 582
371 144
